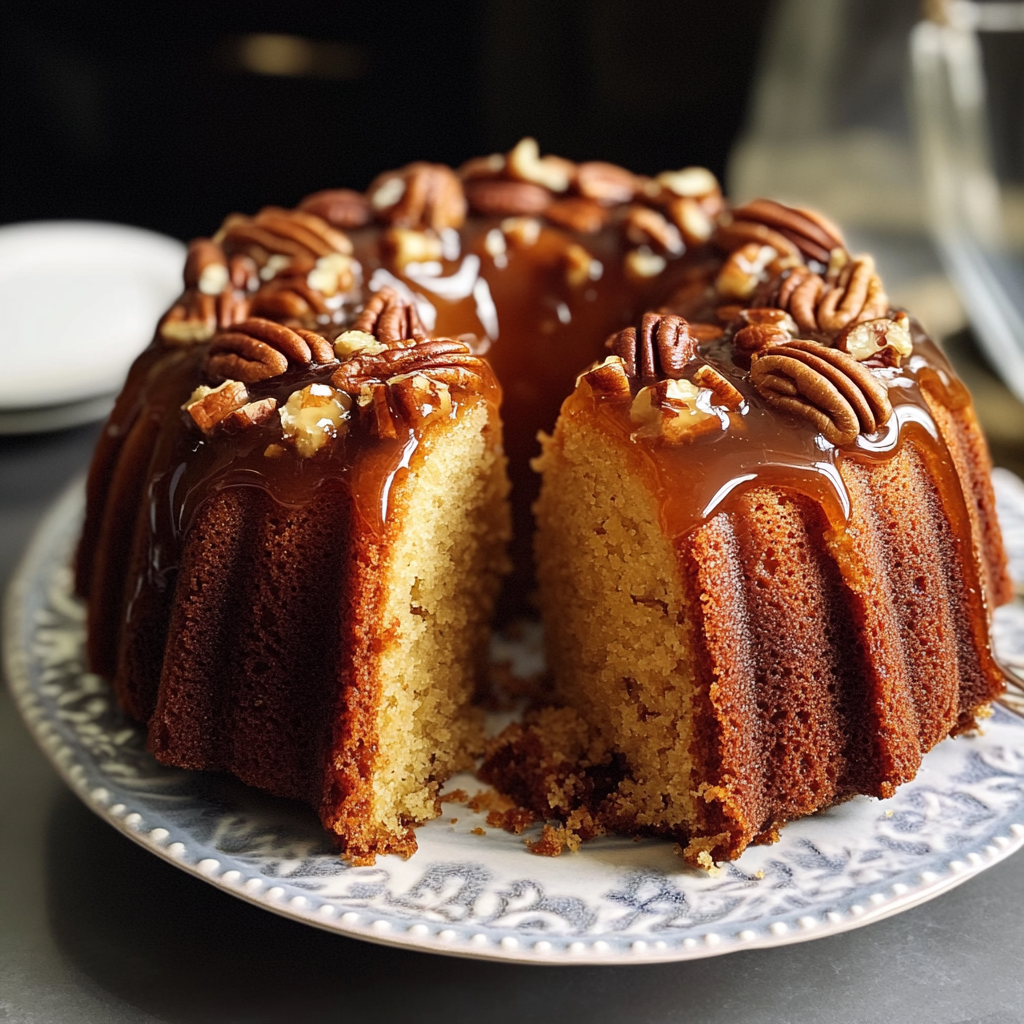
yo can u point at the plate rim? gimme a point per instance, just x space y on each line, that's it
130 821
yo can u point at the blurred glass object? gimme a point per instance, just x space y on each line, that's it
828 128
968 105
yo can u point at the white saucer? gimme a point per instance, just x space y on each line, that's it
78 302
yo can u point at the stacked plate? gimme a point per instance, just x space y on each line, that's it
78 302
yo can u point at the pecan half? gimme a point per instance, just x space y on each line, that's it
342 207
830 389
660 348
390 318
496 198
577 214
278 232
206 267
419 195
196 316
801 234
645 226
695 224
449 362
257 349
826 306
608 184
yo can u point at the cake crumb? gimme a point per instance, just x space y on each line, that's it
456 796
490 800
453 821
479 831
888 814
759 874
551 843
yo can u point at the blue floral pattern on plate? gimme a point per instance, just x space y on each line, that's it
485 895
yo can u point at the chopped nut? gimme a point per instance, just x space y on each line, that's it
725 393
667 411
580 266
332 274
690 181
482 167
744 270
401 246
352 343
251 415
607 378
642 263
767 315
871 337
645 226
526 164
693 221
314 415
521 230
209 406
274 451
416 397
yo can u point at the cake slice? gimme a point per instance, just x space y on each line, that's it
294 548
766 572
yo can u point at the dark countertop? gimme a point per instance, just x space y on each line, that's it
94 928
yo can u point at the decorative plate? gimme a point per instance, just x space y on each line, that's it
484 895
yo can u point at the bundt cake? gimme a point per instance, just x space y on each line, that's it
767 550
762 593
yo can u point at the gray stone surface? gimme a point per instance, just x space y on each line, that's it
95 929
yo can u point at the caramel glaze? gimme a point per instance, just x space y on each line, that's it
844 592
190 492
535 328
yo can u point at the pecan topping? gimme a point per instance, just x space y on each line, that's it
496 198
209 407
577 214
667 412
206 267
746 268
342 207
829 388
524 163
278 232
300 295
419 195
196 316
800 234
693 220
726 394
645 226
448 362
661 348
608 184
851 292
390 318
258 349
763 328
607 378
313 416
882 338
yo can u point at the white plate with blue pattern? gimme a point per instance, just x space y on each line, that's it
486 896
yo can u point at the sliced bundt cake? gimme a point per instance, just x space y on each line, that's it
767 551
293 548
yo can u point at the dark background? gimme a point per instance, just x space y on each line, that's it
158 115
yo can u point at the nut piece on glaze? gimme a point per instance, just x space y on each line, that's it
313 416
885 338
525 163
608 378
419 196
667 412
209 406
